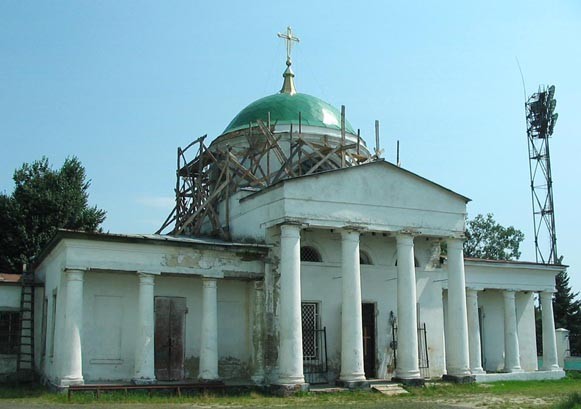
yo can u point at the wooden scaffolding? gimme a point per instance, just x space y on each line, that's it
206 182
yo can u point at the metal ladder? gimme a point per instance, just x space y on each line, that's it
25 361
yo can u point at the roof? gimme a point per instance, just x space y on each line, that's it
380 162
62 234
513 262
9 278
284 110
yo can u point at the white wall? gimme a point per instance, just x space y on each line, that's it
321 282
380 197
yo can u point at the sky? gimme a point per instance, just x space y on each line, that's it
122 84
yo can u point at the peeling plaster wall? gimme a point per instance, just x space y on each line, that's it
321 283
111 300
110 316
525 316
48 349
491 303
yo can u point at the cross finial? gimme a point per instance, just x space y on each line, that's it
289 38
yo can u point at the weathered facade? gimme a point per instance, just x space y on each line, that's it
324 265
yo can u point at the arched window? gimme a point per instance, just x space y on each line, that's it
309 253
364 258
416 262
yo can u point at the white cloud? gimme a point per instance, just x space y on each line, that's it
158 202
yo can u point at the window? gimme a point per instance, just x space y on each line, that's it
310 319
311 254
416 262
9 332
364 258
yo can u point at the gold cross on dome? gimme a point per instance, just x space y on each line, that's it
289 38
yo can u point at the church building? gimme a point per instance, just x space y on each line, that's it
295 255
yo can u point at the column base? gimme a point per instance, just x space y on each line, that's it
477 371
413 374
144 381
409 381
290 380
70 381
513 370
358 384
552 368
285 390
257 379
459 379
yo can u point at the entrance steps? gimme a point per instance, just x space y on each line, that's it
389 389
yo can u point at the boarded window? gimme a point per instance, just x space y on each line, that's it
107 329
9 332
309 253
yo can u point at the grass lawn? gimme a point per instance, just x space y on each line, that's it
533 394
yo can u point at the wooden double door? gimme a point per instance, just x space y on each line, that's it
369 333
170 331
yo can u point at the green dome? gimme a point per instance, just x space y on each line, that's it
284 110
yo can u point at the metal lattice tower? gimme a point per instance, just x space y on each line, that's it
541 120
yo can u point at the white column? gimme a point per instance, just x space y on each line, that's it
351 321
459 359
71 353
474 332
144 371
511 347
550 362
290 353
209 334
407 330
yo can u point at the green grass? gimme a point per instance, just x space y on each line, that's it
572 402
561 394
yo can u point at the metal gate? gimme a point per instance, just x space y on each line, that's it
314 345
423 357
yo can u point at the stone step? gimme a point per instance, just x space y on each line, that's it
390 389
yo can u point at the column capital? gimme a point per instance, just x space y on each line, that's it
471 292
72 274
547 292
404 238
291 230
209 282
348 233
145 278
455 242
509 293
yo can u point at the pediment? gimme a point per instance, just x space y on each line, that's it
378 196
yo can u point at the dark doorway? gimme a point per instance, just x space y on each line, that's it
170 319
368 312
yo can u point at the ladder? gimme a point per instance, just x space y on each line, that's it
25 361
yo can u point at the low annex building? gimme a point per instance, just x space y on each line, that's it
294 255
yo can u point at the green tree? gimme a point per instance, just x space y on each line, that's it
489 240
567 310
43 201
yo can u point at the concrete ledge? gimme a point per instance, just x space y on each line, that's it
352 384
143 381
459 379
285 390
520 376
409 381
